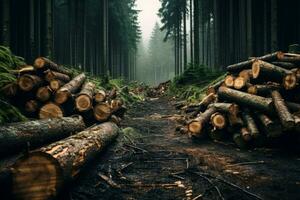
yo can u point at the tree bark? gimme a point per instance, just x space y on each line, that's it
65 92
285 65
229 108
52 75
263 90
270 127
251 125
45 63
257 102
16 136
84 100
214 88
286 118
59 162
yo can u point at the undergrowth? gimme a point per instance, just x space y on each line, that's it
192 84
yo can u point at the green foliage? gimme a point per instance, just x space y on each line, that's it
9 113
192 84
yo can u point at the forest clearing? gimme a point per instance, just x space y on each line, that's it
149 99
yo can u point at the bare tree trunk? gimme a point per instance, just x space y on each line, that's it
6 22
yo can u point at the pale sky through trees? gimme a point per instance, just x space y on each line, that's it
148 17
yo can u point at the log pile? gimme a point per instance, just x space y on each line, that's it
47 90
257 101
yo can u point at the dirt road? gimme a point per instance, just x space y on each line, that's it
159 163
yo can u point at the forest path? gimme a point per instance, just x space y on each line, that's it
149 165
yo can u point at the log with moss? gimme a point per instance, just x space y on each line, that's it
243 98
44 64
66 91
59 162
286 118
16 136
84 99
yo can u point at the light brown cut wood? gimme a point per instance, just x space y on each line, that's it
99 96
42 174
290 81
229 81
51 110
84 99
286 118
45 63
239 83
27 82
196 126
102 111
52 75
252 89
43 93
246 74
55 84
218 121
66 91
253 101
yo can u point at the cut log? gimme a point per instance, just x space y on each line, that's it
10 90
218 121
28 82
251 125
116 104
247 64
271 129
214 88
263 90
84 100
100 96
226 107
202 105
31 106
45 63
196 126
246 74
43 93
235 121
290 81
56 84
42 174
66 91
51 110
289 57
115 119
246 99
16 136
239 83
285 65
229 81
102 111
52 75
286 118
252 89
246 134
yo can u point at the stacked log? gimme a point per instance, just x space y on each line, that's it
258 101
48 90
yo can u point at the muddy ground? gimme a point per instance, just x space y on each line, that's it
163 164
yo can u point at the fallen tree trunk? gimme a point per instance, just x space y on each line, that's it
65 92
214 88
270 127
202 105
263 90
45 63
43 93
52 75
247 64
243 98
196 126
59 162
229 108
289 57
16 136
51 110
270 71
84 99
28 82
286 118
251 125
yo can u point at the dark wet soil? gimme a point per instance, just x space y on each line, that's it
163 164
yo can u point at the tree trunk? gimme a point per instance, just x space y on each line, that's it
51 75
196 126
29 82
184 39
191 32
229 108
45 63
16 136
59 162
257 102
286 118
263 90
196 33
51 110
6 23
214 88
251 125
43 93
65 92
84 100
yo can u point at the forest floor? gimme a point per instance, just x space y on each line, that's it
163 164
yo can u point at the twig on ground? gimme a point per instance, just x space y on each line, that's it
108 180
135 147
247 163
